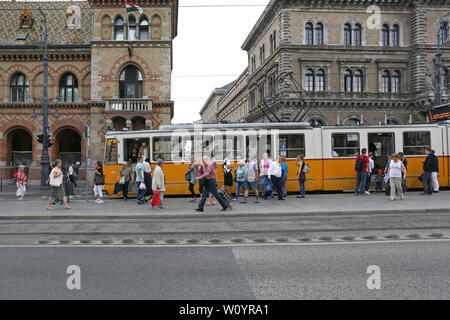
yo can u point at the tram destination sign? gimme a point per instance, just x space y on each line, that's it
440 113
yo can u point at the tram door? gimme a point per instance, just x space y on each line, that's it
382 146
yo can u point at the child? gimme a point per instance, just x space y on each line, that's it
379 178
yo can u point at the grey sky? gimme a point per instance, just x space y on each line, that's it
207 51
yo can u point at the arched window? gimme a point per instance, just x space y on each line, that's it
131 28
443 31
19 88
385 35
309 80
395 35
445 79
319 33
396 81
118 29
392 122
68 88
271 43
352 122
358 81
348 34
386 81
274 40
348 81
320 80
130 83
358 32
106 28
143 29
309 33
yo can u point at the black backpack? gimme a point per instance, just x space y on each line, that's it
359 166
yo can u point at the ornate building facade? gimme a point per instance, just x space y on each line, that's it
358 62
107 68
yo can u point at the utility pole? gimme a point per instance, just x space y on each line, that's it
45 160
444 20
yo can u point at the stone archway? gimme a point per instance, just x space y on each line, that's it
19 149
119 123
138 123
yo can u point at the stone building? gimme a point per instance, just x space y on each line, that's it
210 109
107 68
358 62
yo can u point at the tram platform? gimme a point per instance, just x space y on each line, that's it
34 207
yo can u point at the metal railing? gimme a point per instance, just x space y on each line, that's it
129 105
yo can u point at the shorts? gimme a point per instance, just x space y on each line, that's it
228 179
251 186
98 190
58 192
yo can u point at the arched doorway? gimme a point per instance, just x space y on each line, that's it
19 149
138 123
119 123
69 147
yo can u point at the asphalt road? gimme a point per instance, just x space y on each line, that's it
409 270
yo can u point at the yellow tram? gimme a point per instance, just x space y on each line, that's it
329 151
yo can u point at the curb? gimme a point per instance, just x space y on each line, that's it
225 215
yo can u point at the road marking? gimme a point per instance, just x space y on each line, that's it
267 244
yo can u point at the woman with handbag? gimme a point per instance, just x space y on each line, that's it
158 185
99 181
301 176
56 183
125 177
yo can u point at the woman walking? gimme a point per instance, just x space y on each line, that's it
159 182
301 176
21 182
264 169
395 170
240 180
99 181
56 183
192 175
125 177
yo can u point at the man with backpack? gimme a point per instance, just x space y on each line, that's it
362 171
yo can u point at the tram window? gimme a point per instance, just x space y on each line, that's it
251 146
415 143
291 145
345 144
167 148
111 152
132 147
224 146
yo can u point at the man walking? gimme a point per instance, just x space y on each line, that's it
210 186
369 174
427 171
362 170
147 178
434 174
251 178
140 180
275 174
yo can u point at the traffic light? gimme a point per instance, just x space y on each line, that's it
49 142
40 138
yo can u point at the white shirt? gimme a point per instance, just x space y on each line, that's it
227 162
70 171
395 169
147 167
263 169
145 153
371 164
275 169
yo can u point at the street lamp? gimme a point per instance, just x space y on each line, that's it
443 22
45 160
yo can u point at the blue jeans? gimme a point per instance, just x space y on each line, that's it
302 187
265 181
140 193
239 184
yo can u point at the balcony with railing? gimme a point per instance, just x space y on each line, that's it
129 105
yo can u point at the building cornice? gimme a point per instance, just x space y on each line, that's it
32 57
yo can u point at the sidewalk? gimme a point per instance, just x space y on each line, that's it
34 207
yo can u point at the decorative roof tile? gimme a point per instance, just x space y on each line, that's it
55 11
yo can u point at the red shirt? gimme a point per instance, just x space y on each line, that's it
21 177
211 169
366 161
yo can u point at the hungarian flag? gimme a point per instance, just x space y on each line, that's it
132 7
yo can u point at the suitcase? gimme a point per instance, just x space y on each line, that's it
226 197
